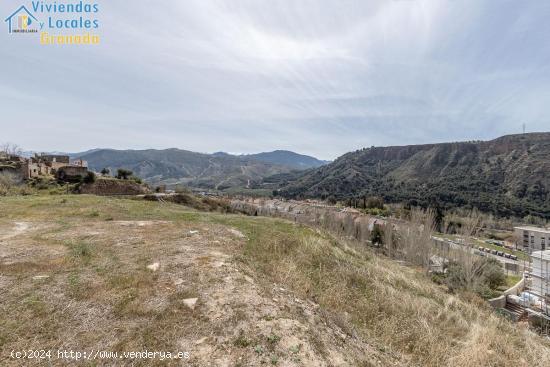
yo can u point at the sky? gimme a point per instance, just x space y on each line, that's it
316 77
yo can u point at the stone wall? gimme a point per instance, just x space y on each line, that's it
500 302
113 187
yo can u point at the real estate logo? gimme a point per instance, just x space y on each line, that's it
22 21
62 23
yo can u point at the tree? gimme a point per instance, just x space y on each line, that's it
10 149
493 274
123 174
374 203
377 235
415 242
105 171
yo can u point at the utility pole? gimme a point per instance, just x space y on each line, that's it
524 127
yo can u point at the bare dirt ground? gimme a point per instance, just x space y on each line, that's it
157 286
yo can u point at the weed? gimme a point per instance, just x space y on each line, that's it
259 349
242 341
273 338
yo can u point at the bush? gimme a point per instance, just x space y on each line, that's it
136 179
7 182
89 178
377 235
123 174
493 275
489 276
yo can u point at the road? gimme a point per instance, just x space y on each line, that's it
474 250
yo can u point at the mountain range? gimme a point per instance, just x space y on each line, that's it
508 176
211 171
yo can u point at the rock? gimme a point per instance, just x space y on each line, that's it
218 264
40 277
193 232
153 267
201 340
236 233
190 302
178 281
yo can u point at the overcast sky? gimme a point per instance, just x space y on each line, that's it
316 77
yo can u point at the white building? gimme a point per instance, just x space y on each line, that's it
540 272
532 238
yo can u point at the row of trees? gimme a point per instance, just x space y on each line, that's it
122 174
411 240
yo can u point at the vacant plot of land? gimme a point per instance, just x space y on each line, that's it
85 273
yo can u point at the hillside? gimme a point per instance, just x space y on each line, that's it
213 171
289 159
506 176
173 166
87 273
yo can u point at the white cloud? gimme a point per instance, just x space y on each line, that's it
320 77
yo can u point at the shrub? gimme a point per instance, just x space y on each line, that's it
89 178
7 182
123 174
377 235
136 179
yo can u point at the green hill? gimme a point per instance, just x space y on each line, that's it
508 176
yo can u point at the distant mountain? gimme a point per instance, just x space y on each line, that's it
30 153
289 159
174 166
508 176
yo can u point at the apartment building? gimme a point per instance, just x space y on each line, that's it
531 238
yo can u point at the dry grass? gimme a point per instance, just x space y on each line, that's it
396 306
99 293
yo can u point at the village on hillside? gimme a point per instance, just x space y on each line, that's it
41 165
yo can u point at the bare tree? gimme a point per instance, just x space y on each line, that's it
10 149
472 266
390 240
415 238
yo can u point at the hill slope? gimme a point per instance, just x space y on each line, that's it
506 176
127 275
172 166
289 159
219 170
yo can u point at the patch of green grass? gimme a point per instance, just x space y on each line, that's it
81 251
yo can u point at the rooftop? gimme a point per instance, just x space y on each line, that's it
533 228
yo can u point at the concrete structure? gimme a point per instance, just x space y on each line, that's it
540 273
531 239
79 163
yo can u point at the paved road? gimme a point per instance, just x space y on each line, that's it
474 250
